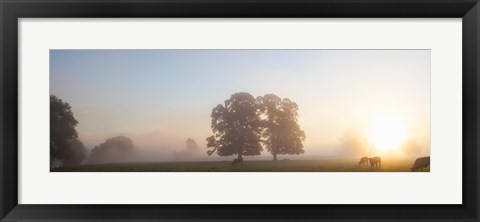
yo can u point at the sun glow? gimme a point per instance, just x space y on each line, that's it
388 132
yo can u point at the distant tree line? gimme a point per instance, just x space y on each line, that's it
244 125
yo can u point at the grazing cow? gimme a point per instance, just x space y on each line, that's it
364 160
375 161
421 163
237 161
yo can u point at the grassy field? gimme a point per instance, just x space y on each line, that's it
248 166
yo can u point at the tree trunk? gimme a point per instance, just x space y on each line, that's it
274 153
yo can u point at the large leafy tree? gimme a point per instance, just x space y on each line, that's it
282 133
236 127
65 147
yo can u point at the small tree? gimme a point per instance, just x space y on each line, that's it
190 150
65 147
191 145
114 149
410 148
354 144
282 133
236 127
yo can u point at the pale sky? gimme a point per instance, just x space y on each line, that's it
161 97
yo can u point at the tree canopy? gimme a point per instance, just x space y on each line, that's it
410 147
191 145
190 150
236 127
353 143
282 133
243 124
65 147
114 149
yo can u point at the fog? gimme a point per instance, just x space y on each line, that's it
156 147
160 98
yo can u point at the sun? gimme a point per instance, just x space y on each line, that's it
388 132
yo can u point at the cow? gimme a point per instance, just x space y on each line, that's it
420 163
363 160
375 162
237 161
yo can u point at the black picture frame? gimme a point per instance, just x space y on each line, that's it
12 10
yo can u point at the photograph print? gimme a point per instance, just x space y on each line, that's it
236 110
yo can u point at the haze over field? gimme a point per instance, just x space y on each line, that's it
350 102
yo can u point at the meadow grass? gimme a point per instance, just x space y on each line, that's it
247 166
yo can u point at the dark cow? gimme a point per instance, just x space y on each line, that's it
375 162
237 161
421 163
364 160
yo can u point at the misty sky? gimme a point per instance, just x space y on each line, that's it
161 97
